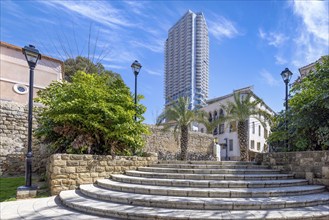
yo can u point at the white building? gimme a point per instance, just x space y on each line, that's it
187 60
226 133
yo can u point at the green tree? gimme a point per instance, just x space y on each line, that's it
309 110
92 114
240 110
180 117
71 66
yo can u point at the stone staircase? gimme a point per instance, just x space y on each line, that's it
201 190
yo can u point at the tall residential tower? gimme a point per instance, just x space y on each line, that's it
187 60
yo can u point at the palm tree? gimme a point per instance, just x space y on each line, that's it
180 117
240 111
209 124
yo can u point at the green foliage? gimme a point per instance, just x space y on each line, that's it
71 66
309 111
241 109
92 114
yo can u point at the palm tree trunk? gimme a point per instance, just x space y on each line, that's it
243 141
184 142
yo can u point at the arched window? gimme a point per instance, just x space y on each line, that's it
221 113
215 115
210 117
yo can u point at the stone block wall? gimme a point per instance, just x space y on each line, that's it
311 165
167 147
13 140
68 171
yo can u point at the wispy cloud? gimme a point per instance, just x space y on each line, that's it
152 45
102 12
311 41
116 67
268 78
272 38
152 72
221 27
280 60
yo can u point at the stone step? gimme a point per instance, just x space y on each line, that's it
207 171
209 192
209 183
210 166
204 203
206 162
77 201
209 176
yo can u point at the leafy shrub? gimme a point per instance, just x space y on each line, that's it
93 114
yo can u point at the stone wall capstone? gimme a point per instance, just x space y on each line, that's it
68 171
311 165
167 147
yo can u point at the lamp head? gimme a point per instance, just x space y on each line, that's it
286 75
32 55
136 67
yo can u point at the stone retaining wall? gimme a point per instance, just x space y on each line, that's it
13 144
68 171
13 134
311 165
168 148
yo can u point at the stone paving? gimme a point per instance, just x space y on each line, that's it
41 208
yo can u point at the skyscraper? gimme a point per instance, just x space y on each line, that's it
187 60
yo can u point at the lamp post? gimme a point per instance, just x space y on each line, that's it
136 67
286 76
32 56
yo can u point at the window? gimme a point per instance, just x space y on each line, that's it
259 130
221 129
265 149
252 144
20 89
253 127
230 145
215 131
258 146
233 126
210 117
265 133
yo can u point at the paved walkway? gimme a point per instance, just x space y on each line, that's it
41 208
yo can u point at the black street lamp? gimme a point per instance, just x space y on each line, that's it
286 76
32 56
136 67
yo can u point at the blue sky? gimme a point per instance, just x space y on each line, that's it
251 42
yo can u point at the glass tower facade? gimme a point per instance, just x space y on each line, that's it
187 60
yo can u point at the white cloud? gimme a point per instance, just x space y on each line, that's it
101 12
268 78
154 73
280 60
117 67
152 45
273 38
221 28
315 17
312 38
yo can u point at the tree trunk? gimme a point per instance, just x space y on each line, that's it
184 142
243 141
